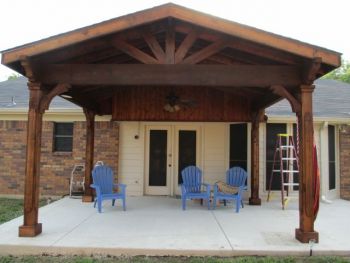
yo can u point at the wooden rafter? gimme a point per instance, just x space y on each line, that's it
134 52
71 52
185 46
205 52
200 75
154 46
244 46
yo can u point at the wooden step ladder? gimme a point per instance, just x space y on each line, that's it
287 157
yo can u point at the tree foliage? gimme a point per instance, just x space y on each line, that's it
13 76
342 73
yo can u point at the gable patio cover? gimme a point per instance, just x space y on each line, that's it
125 67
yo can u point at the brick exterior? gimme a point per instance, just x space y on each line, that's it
55 167
344 141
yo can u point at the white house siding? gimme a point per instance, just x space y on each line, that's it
216 151
131 157
214 159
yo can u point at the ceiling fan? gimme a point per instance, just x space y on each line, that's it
174 103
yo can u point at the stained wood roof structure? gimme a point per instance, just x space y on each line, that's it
227 56
130 66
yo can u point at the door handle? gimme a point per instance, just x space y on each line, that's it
169 165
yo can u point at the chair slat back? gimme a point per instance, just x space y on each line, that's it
236 176
103 176
192 179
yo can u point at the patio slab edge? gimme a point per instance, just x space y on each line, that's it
19 250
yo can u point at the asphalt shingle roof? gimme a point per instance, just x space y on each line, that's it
331 99
17 89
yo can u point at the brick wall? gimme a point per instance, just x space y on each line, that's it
344 142
55 167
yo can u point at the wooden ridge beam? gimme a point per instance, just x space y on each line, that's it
177 75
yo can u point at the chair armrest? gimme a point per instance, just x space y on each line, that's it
121 186
208 187
97 188
241 189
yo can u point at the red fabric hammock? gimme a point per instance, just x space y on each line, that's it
316 182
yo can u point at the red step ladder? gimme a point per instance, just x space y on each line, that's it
287 158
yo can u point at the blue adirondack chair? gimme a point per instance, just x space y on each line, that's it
103 184
236 176
191 188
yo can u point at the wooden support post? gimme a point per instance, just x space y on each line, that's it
306 231
31 227
254 180
89 154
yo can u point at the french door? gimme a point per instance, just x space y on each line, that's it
169 149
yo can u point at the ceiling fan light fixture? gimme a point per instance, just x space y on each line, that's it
171 108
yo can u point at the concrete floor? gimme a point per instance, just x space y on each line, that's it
158 226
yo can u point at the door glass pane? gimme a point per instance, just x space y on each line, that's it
158 157
187 151
272 129
331 156
238 145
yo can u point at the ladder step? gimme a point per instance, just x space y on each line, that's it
294 184
286 147
289 159
286 171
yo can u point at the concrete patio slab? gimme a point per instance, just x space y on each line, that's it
158 226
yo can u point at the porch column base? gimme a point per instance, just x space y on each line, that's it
87 199
30 231
254 201
305 237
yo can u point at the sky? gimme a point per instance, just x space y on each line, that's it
320 22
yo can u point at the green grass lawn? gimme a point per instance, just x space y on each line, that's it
110 259
11 208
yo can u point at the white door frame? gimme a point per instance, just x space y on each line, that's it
159 190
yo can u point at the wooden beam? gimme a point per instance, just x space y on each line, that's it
134 52
311 70
47 98
244 45
205 52
170 10
185 46
154 46
177 75
257 117
28 68
170 43
89 154
30 226
306 231
283 92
